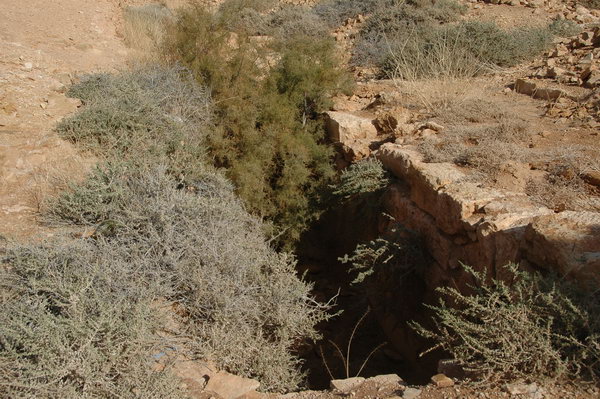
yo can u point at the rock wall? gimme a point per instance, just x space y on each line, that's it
462 221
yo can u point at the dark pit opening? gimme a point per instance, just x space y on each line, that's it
336 234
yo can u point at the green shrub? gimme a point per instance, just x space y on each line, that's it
391 257
463 50
492 45
529 326
363 177
268 96
146 116
78 321
564 27
244 307
395 23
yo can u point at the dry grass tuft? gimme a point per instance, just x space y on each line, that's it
144 28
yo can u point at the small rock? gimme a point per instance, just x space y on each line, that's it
593 79
524 87
441 381
451 368
347 384
387 379
523 389
428 133
231 386
434 126
592 177
555 72
411 393
28 66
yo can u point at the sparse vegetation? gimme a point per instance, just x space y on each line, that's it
144 27
484 136
430 50
529 326
425 39
345 358
335 12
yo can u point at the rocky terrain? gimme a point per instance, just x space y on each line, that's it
465 212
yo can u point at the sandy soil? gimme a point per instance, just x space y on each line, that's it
43 46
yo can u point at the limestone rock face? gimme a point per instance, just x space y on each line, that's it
461 222
353 133
568 243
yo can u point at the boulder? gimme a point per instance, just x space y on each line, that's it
387 380
525 87
542 93
343 127
568 243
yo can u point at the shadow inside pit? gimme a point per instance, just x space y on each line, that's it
336 234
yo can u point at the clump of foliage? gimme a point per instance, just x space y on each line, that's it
246 16
395 25
424 39
297 21
526 326
335 12
392 257
268 97
146 116
243 305
78 321
363 177
594 4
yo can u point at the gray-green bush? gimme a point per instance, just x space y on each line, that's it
526 326
149 115
77 321
245 308
423 39
335 12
